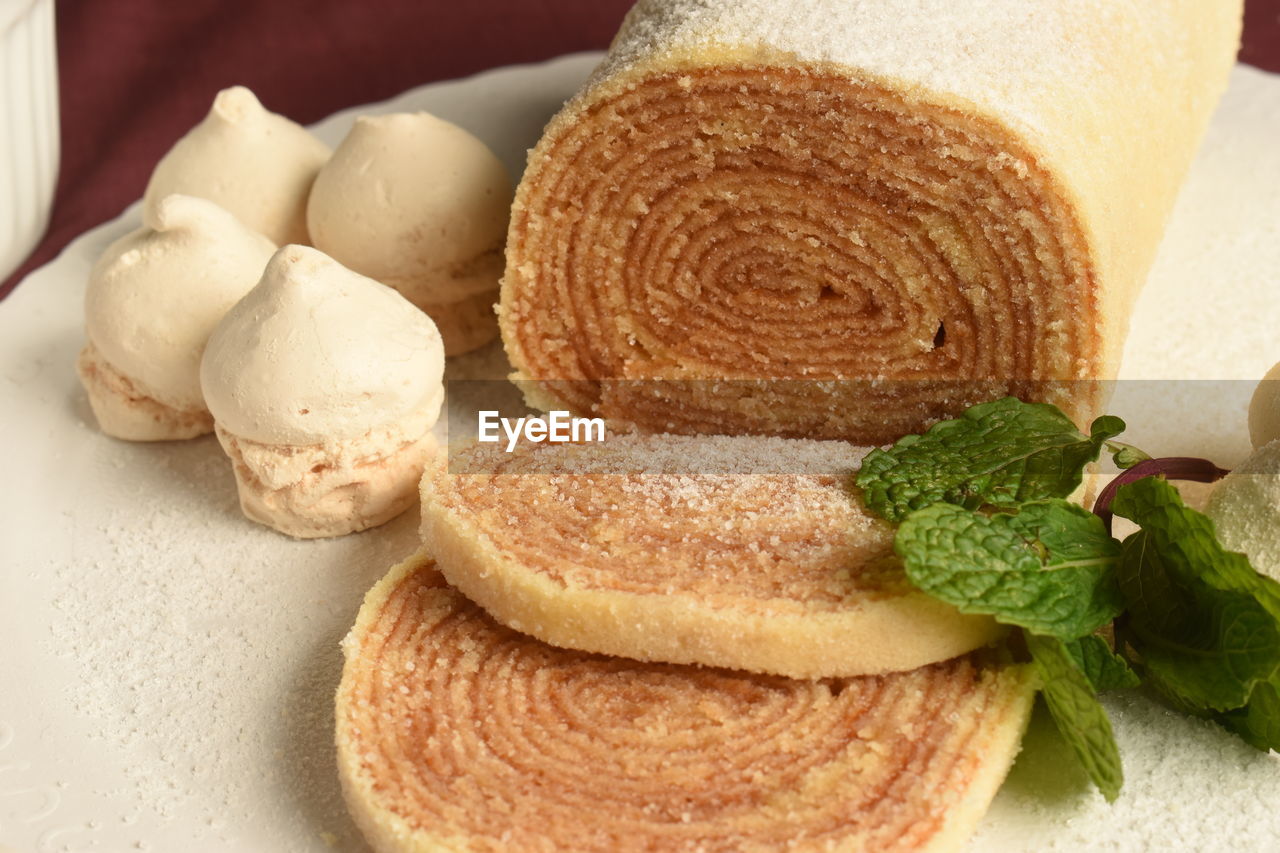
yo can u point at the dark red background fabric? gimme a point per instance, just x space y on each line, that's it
137 74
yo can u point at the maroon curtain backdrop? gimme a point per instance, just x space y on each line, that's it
136 74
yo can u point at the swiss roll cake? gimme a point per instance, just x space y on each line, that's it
849 219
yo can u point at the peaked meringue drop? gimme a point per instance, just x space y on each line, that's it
324 386
422 205
255 163
152 300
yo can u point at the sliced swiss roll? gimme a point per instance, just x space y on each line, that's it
456 733
748 552
839 219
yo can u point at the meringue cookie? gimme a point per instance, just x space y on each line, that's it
1245 508
324 386
153 298
1264 410
255 163
421 205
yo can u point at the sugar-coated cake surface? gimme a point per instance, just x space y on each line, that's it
732 551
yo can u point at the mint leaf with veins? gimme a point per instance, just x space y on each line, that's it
1259 721
1205 624
1076 712
1105 669
1050 568
1002 454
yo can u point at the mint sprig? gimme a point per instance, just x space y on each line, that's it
1050 568
999 454
982 525
1077 713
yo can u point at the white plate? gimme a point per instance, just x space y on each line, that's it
168 667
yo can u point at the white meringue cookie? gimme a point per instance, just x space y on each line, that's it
316 353
156 294
421 205
255 163
1264 410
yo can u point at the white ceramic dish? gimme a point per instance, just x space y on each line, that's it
168 667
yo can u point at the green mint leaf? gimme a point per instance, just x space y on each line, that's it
1050 568
1001 454
1105 669
1126 455
1079 717
1259 721
1202 620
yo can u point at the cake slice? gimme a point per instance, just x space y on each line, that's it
746 552
456 733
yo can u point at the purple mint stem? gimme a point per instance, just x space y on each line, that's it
1172 467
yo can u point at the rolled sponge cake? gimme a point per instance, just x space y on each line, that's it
736 551
848 219
456 733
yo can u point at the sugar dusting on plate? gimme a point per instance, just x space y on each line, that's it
207 645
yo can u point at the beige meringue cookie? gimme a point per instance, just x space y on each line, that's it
422 205
1245 508
153 298
324 386
1264 409
255 163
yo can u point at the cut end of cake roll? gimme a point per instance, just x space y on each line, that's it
838 258
456 733
845 220
744 552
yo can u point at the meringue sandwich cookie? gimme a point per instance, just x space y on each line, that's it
422 205
153 298
744 552
324 386
255 163
456 733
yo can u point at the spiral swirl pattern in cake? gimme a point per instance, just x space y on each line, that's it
455 733
837 219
